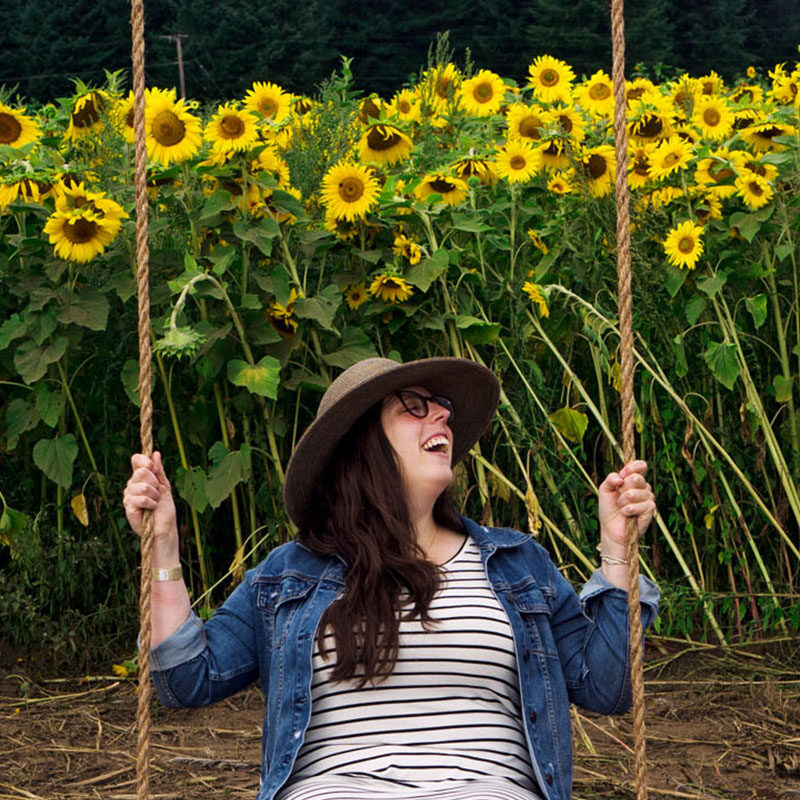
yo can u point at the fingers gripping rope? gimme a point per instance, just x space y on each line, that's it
625 302
146 405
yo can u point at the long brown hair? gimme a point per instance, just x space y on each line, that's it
362 515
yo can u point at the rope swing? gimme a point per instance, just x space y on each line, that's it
626 375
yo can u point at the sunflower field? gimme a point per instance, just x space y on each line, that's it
470 214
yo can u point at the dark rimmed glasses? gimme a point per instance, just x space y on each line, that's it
417 404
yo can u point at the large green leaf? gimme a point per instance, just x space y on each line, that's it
223 476
681 367
130 380
695 306
321 308
13 526
260 234
674 278
55 457
12 328
477 330
276 283
48 404
88 309
191 486
39 324
216 203
783 388
469 223
722 361
21 416
713 283
262 378
32 361
428 270
571 423
355 346
757 306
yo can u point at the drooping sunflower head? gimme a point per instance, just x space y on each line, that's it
482 94
761 136
684 92
370 109
651 119
525 122
711 84
639 166
349 190
26 190
597 165
537 296
232 130
553 154
384 144
717 172
551 79
453 191
407 247
391 288
269 101
172 134
785 86
86 117
713 117
684 245
473 167
750 94
16 128
640 90
518 161
269 160
596 95
79 238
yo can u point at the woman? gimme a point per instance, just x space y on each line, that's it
404 652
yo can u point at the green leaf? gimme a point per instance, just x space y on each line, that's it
469 223
124 285
222 258
477 330
225 475
784 250
250 302
130 380
722 361
674 279
711 285
695 307
55 457
191 486
21 416
748 225
12 524
757 306
422 275
355 346
12 328
277 284
783 388
321 308
40 324
260 234
88 309
283 201
571 424
218 202
262 378
679 351
32 361
49 404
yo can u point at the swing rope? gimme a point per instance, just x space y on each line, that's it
626 375
145 401
625 304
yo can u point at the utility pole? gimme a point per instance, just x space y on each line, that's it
176 37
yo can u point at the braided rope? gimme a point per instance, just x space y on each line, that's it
625 301
146 405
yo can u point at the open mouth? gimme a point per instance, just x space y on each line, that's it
437 444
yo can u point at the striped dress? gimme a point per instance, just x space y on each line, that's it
445 725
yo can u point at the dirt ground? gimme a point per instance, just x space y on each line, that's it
720 725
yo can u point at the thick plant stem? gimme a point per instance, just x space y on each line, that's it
223 426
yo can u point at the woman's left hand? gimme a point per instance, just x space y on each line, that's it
621 495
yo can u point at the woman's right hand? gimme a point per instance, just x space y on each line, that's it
149 488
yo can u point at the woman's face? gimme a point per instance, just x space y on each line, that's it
424 446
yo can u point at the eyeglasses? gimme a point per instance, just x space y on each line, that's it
417 404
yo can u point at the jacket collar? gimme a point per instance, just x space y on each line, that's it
492 538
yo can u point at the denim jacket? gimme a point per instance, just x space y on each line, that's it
569 649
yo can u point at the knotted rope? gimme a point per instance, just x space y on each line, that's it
146 405
625 301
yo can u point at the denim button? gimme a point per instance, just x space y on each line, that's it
510 597
549 779
532 716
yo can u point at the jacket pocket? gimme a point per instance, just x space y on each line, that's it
534 609
278 601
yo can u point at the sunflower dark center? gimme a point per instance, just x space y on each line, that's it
81 230
303 105
641 166
443 87
769 133
759 169
129 119
549 77
649 126
596 166
712 117
441 186
708 87
720 172
404 107
742 93
670 159
483 93
754 187
369 108
686 244
268 106
89 112
566 123
599 91
167 129
232 126
351 189
10 129
517 162
635 94
380 138
530 128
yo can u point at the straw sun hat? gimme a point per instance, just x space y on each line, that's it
473 390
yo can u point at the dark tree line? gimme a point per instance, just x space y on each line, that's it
230 43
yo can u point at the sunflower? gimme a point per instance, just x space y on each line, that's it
687 133
453 191
172 133
751 72
711 83
534 291
482 94
683 245
439 85
747 95
684 93
86 116
717 172
760 136
559 184
756 164
405 106
16 128
754 190
745 117
640 90
79 237
356 295
517 161
713 117
231 130
269 101
551 79
538 242
785 87
568 122
553 154
384 144
391 288
708 207
345 230
596 95
28 190
349 190
269 160
405 246
474 167
671 155
639 166
75 200
525 122
282 316
651 120
597 164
